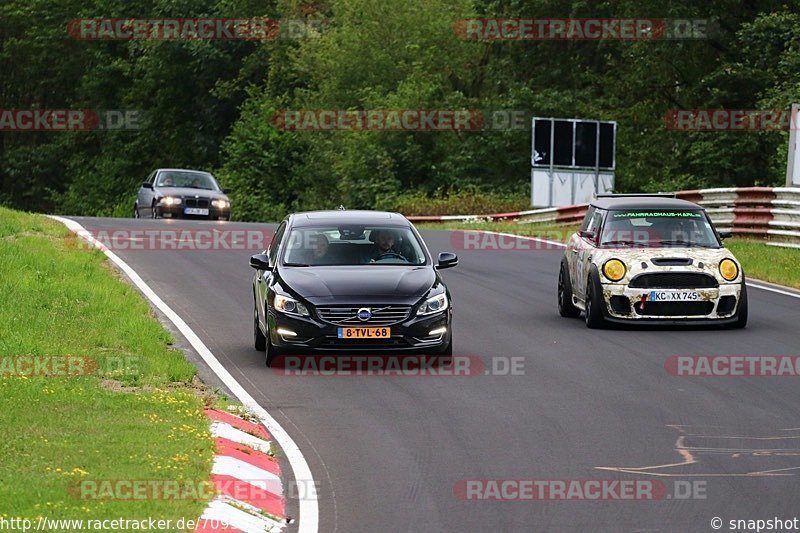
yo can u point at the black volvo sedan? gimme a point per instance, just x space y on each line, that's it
350 281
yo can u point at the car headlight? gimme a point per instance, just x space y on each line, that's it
220 204
614 269
170 200
728 269
290 306
434 304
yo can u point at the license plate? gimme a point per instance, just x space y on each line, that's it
195 211
365 333
673 296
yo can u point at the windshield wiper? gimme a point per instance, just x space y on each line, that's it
296 265
626 243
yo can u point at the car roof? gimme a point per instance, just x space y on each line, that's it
339 216
182 170
644 202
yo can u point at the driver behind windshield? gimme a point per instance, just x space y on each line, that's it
384 246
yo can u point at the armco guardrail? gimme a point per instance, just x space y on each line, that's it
768 213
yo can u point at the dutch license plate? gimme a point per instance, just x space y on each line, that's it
673 296
365 333
195 211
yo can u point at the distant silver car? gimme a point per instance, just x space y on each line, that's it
650 259
180 193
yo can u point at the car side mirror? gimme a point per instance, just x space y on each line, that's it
725 234
587 235
227 190
260 262
447 260
147 185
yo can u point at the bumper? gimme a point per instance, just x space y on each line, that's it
312 334
714 305
176 211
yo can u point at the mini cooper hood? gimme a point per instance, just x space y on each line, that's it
705 255
705 260
362 283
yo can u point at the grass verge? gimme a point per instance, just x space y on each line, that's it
768 263
760 261
127 407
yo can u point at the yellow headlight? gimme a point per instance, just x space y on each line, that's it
614 269
728 269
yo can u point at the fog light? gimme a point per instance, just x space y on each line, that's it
286 332
438 331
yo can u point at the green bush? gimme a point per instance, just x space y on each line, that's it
466 202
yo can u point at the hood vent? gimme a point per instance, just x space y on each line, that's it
672 261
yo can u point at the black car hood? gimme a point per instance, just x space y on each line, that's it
362 284
191 193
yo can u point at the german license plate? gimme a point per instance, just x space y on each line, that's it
673 296
195 211
365 333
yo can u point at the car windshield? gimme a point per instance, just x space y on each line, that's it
353 245
189 180
658 228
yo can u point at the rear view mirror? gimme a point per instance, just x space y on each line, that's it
260 262
725 234
586 234
447 260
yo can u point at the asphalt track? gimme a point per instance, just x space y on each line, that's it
386 451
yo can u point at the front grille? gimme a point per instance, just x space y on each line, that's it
197 202
674 308
381 315
674 280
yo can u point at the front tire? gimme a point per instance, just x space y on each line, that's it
565 306
135 211
594 305
741 313
260 340
154 212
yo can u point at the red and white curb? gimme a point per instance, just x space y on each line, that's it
247 479
308 506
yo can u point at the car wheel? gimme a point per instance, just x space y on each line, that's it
260 340
154 212
741 314
594 305
135 211
565 307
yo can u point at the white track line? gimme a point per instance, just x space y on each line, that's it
308 519
562 245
